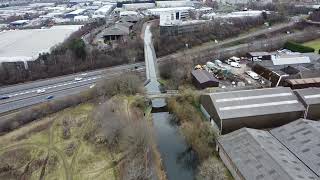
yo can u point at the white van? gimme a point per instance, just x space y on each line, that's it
235 64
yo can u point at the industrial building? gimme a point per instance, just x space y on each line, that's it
303 83
251 154
302 138
203 79
257 108
104 10
259 56
74 13
138 6
286 66
310 98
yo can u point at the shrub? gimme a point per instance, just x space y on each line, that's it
296 47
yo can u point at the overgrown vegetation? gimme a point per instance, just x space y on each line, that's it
296 47
199 135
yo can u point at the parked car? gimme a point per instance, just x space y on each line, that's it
235 64
253 75
4 97
78 78
41 90
50 97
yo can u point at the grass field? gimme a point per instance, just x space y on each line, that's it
314 44
55 148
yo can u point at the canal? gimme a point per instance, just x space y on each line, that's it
178 159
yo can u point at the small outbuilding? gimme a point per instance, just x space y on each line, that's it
259 56
203 79
257 108
310 98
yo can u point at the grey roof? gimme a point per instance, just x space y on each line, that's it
259 53
203 76
309 95
258 155
117 29
302 138
285 59
246 103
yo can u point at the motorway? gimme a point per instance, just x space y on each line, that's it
28 94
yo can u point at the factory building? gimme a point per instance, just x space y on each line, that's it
258 108
302 138
252 154
74 13
310 98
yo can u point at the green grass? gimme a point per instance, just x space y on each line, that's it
314 44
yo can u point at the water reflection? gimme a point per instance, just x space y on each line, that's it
178 158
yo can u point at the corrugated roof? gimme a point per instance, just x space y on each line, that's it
259 53
258 155
302 138
255 102
290 59
309 95
303 81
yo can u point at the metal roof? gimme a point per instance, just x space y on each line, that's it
257 155
309 95
302 138
259 53
286 59
303 81
203 76
246 103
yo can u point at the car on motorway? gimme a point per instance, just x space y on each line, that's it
78 78
84 74
4 97
253 75
50 97
41 91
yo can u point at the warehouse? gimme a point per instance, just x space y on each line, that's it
302 138
257 108
310 98
203 79
255 155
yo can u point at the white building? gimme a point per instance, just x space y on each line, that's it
105 10
81 18
166 4
138 6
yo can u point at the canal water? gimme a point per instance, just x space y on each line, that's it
178 159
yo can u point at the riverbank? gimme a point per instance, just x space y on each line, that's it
198 133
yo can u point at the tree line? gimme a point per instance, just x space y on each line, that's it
72 56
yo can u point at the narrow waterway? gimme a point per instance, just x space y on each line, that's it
178 159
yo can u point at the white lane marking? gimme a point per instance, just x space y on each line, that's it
258 105
253 97
312 96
